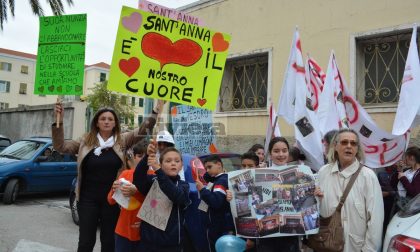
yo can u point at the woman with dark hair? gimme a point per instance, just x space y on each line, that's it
278 149
99 162
408 181
258 149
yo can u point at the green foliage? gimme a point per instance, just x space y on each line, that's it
102 97
56 7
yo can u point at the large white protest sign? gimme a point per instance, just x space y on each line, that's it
272 202
156 207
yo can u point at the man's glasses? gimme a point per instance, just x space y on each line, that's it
347 142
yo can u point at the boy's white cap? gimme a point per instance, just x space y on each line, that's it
165 136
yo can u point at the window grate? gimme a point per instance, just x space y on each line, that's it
244 85
383 60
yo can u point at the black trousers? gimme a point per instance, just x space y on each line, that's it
94 213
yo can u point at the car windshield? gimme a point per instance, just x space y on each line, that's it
22 149
231 163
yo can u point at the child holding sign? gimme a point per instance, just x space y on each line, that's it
213 200
127 234
170 196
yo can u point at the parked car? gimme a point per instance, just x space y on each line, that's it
403 232
4 142
231 161
73 202
33 166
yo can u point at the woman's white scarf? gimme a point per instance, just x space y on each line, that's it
103 144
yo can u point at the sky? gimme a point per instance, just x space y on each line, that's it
21 32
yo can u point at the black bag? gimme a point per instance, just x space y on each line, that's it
330 237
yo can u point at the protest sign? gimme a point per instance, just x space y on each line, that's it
171 60
61 55
272 202
192 127
169 13
156 207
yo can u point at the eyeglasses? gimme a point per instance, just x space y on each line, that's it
346 142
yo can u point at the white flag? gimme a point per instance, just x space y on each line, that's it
286 107
295 100
409 102
381 148
331 111
315 79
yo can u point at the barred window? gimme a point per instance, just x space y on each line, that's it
23 88
24 69
244 84
380 67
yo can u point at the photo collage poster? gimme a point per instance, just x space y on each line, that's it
274 201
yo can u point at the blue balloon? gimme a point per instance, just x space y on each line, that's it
230 243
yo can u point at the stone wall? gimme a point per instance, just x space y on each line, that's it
28 121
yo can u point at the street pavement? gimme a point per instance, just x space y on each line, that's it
38 223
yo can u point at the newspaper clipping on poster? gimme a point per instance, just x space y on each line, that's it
272 202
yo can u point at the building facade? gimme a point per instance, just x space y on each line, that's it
17 80
370 40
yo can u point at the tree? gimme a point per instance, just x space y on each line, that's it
56 7
102 97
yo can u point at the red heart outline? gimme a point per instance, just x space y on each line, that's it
130 66
219 43
201 102
184 52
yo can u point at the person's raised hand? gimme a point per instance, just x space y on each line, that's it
199 185
159 106
59 110
152 161
400 175
152 147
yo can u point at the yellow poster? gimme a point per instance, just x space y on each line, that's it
167 59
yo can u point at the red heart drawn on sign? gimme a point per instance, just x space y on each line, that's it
130 66
219 43
201 102
184 52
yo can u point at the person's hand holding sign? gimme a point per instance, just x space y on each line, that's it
199 185
152 148
151 152
58 112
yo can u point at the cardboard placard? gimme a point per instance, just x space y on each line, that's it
156 207
60 64
166 59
